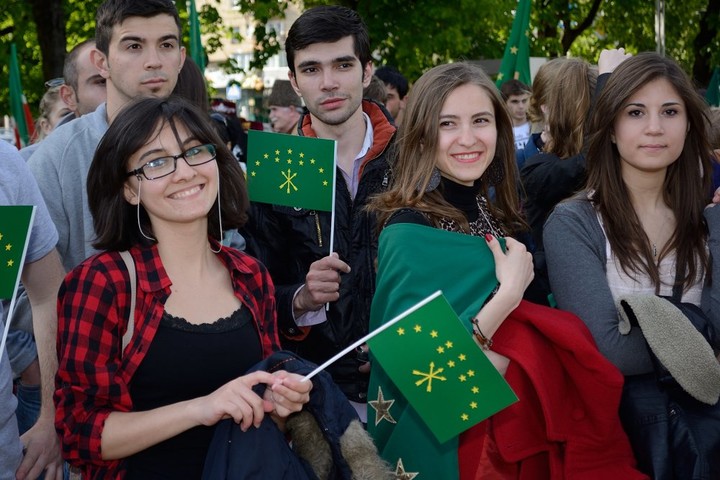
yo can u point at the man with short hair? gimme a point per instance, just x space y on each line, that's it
396 88
285 107
138 52
84 87
328 53
517 97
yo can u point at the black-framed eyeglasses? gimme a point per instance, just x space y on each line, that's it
163 166
55 82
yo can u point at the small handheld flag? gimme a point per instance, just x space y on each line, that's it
443 374
291 170
15 225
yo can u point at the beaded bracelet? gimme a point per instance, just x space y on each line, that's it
485 342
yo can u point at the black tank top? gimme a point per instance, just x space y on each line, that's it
186 361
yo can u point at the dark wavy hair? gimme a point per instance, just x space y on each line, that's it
688 180
326 24
417 147
114 219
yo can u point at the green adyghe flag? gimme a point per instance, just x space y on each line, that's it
462 266
15 223
441 372
197 52
291 170
516 59
712 96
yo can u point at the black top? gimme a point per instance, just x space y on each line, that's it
465 198
186 361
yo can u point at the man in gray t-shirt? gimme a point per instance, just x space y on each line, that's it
42 275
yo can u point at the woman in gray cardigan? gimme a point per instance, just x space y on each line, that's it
640 227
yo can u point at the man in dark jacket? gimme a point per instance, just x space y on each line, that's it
328 53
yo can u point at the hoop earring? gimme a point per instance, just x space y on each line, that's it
495 172
217 169
433 182
138 212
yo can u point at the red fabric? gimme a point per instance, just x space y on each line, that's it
566 424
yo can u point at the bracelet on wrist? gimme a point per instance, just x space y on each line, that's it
485 342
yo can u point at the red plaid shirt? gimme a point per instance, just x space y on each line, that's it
93 373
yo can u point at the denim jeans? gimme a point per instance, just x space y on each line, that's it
28 408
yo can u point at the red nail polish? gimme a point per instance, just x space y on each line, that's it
488 237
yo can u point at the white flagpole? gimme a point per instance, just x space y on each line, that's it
370 335
332 211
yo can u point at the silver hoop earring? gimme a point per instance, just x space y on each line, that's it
217 169
138 211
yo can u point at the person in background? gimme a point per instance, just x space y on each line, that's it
38 450
285 108
396 88
544 78
559 171
641 227
52 110
376 91
84 88
714 138
517 96
328 53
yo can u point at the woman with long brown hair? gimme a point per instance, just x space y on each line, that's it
641 227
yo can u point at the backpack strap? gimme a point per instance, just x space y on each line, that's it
130 264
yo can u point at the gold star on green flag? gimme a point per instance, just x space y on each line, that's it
15 223
432 359
291 170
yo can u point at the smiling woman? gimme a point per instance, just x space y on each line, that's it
161 187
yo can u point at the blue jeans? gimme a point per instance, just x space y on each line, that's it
28 408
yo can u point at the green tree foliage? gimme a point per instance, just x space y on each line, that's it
412 36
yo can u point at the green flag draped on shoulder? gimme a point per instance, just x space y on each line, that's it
197 52
291 170
462 266
15 223
516 59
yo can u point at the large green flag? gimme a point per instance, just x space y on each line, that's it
441 372
713 91
15 223
197 52
291 170
516 59
414 261
18 104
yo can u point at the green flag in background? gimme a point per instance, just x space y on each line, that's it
713 91
291 170
516 59
196 48
18 104
441 371
15 223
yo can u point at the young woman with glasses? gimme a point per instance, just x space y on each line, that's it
162 186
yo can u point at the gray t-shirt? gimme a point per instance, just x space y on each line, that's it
18 187
60 166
